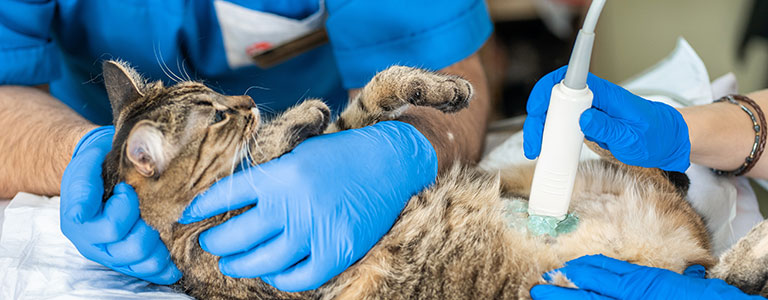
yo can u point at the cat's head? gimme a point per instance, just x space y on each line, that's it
183 130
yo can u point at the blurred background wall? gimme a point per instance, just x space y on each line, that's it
533 37
633 35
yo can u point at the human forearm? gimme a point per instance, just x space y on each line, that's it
722 136
457 136
40 135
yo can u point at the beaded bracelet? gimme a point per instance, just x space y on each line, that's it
760 134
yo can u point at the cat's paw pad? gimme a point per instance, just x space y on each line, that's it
447 93
459 91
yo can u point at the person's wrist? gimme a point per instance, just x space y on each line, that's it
95 135
684 114
697 131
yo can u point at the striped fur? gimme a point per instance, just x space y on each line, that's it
452 240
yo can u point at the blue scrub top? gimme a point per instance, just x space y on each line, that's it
62 43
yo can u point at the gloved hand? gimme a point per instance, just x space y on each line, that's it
601 277
110 233
637 131
319 208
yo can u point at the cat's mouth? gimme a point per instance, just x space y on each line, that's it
256 116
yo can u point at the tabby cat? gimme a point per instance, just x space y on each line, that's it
454 240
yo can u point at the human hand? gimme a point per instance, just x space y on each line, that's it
637 131
601 277
318 208
110 233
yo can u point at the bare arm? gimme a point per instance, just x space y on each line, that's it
457 136
39 135
722 136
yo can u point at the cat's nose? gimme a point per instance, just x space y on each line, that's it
245 101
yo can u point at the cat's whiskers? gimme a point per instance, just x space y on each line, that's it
254 87
177 77
261 157
251 143
253 162
161 63
247 149
264 107
235 158
182 70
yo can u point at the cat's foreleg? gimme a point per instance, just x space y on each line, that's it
287 130
390 92
745 265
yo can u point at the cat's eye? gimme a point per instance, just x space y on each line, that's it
219 116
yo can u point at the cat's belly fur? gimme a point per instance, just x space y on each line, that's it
452 241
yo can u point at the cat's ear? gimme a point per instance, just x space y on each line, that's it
147 149
123 84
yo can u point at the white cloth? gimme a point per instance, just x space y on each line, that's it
3 204
39 262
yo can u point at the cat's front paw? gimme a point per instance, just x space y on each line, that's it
448 94
308 119
286 131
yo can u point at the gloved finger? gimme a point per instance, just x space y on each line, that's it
602 128
695 271
169 275
302 277
156 262
308 274
604 262
136 247
82 187
538 99
230 193
92 252
273 256
545 292
608 96
242 232
533 130
120 214
594 279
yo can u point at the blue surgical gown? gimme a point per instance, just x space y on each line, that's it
63 42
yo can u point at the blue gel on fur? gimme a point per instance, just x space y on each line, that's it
539 225
516 215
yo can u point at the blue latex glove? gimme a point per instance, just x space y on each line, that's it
319 208
637 131
601 277
110 233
